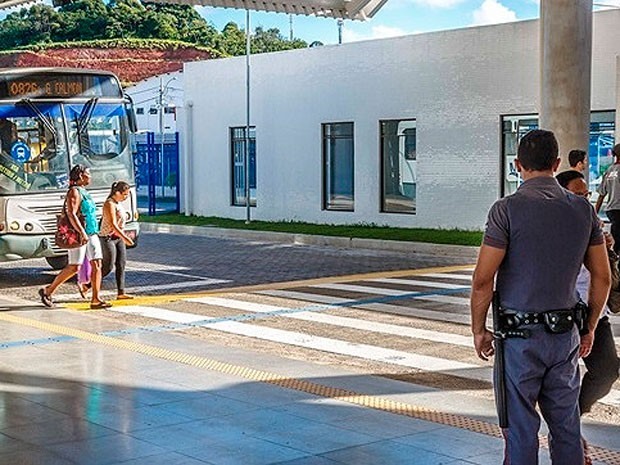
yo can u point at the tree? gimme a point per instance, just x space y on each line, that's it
95 19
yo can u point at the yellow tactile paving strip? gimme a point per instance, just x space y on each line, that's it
400 408
158 299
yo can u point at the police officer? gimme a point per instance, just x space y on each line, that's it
534 244
610 186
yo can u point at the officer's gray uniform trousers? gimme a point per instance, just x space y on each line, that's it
547 361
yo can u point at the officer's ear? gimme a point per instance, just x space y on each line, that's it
556 163
518 165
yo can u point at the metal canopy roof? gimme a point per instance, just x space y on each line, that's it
345 9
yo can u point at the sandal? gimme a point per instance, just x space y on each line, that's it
124 297
100 305
46 299
83 289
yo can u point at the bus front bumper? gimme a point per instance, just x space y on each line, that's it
18 247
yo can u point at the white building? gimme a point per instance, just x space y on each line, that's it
155 95
416 131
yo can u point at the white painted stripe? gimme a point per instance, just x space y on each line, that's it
345 322
465 277
445 299
363 289
417 282
109 293
158 313
453 317
365 351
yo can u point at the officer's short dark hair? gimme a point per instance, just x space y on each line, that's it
616 150
575 156
538 150
565 177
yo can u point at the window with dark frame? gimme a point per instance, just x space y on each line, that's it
237 147
398 166
338 167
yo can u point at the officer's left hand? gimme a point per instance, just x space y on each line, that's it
483 342
586 344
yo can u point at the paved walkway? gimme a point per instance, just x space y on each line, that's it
77 389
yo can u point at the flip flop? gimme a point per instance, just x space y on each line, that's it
83 290
124 297
46 299
100 305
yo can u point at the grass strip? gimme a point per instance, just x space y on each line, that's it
363 231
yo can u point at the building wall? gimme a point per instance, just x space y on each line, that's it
145 95
456 84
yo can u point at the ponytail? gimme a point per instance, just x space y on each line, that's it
118 186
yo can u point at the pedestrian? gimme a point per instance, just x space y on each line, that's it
610 185
114 240
534 244
602 364
577 160
79 201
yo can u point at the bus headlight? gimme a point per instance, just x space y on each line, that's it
136 215
2 226
14 226
28 227
128 216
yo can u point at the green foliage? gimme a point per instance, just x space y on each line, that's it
365 231
88 20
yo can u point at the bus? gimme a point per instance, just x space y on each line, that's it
50 120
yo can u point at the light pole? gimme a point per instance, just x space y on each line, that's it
163 88
246 158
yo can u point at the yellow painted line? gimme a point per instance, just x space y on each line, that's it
608 456
167 298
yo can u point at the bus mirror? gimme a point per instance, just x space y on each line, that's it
133 123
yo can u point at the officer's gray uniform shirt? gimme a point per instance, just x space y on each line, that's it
546 232
611 185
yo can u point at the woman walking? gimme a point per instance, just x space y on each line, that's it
80 202
114 240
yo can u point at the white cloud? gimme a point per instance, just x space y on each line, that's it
493 12
377 32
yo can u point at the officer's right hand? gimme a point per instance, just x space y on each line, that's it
483 342
585 345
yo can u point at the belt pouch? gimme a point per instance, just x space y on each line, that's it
559 321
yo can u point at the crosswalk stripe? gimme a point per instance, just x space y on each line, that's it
466 277
365 351
362 289
417 282
461 318
345 322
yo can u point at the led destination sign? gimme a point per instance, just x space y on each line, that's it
44 85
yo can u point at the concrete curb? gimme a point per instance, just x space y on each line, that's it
444 250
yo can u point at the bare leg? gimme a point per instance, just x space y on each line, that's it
66 273
95 280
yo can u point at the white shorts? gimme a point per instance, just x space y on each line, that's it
92 250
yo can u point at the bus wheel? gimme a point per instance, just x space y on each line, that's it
57 263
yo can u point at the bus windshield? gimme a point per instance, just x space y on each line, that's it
33 152
99 139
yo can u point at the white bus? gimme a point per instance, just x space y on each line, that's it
50 120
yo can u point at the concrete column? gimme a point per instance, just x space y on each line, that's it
565 67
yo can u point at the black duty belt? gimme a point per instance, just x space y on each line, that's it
555 321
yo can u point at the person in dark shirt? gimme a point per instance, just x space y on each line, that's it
534 245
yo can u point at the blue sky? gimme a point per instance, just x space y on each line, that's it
397 17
